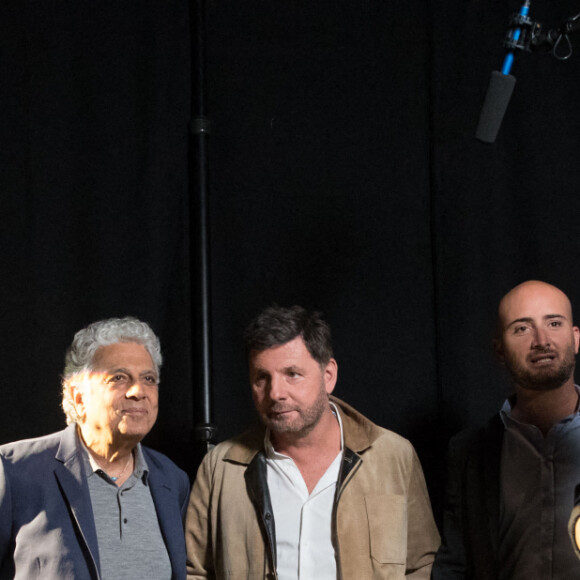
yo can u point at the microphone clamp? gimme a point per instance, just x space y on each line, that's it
532 36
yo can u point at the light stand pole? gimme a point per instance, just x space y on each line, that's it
203 430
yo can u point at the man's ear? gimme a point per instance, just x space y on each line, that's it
576 338
330 375
498 349
78 399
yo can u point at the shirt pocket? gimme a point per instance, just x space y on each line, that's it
387 518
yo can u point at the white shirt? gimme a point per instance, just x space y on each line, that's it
303 521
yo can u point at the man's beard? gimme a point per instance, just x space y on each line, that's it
306 420
542 378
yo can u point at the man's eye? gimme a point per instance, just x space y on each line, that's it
520 329
555 323
151 380
116 378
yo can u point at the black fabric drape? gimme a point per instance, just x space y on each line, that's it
344 176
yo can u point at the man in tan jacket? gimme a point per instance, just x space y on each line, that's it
318 492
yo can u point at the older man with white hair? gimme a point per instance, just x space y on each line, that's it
90 501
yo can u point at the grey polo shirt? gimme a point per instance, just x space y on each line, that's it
538 477
130 542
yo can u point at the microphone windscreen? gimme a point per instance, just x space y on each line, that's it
496 101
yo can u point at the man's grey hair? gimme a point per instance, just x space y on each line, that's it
80 355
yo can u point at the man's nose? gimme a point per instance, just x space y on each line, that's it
136 390
540 338
277 389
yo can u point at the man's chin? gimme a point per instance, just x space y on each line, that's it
281 426
543 381
134 432
542 386
543 377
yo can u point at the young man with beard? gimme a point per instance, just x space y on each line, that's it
511 483
317 491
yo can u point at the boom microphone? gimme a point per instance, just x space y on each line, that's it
500 88
498 96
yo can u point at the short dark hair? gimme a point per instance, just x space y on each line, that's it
277 325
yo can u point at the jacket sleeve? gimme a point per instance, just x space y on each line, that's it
422 535
198 531
450 561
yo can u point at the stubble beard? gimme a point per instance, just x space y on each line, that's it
543 378
306 419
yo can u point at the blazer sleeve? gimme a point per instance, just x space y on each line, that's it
450 560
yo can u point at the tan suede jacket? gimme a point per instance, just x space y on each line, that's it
383 527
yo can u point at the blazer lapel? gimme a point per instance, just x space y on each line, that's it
168 515
72 480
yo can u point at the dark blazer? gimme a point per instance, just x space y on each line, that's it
469 548
47 529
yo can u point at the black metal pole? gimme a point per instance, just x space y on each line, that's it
204 429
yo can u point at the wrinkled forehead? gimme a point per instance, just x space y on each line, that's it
289 353
533 301
122 354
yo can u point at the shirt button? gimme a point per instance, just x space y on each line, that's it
268 516
125 521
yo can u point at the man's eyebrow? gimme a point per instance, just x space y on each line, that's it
112 371
292 368
286 369
518 320
551 316
530 320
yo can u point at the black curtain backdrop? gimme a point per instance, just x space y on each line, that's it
344 176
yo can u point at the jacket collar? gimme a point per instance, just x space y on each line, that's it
359 432
245 446
70 472
166 500
70 449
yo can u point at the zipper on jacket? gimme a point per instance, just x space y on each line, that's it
350 463
257 487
